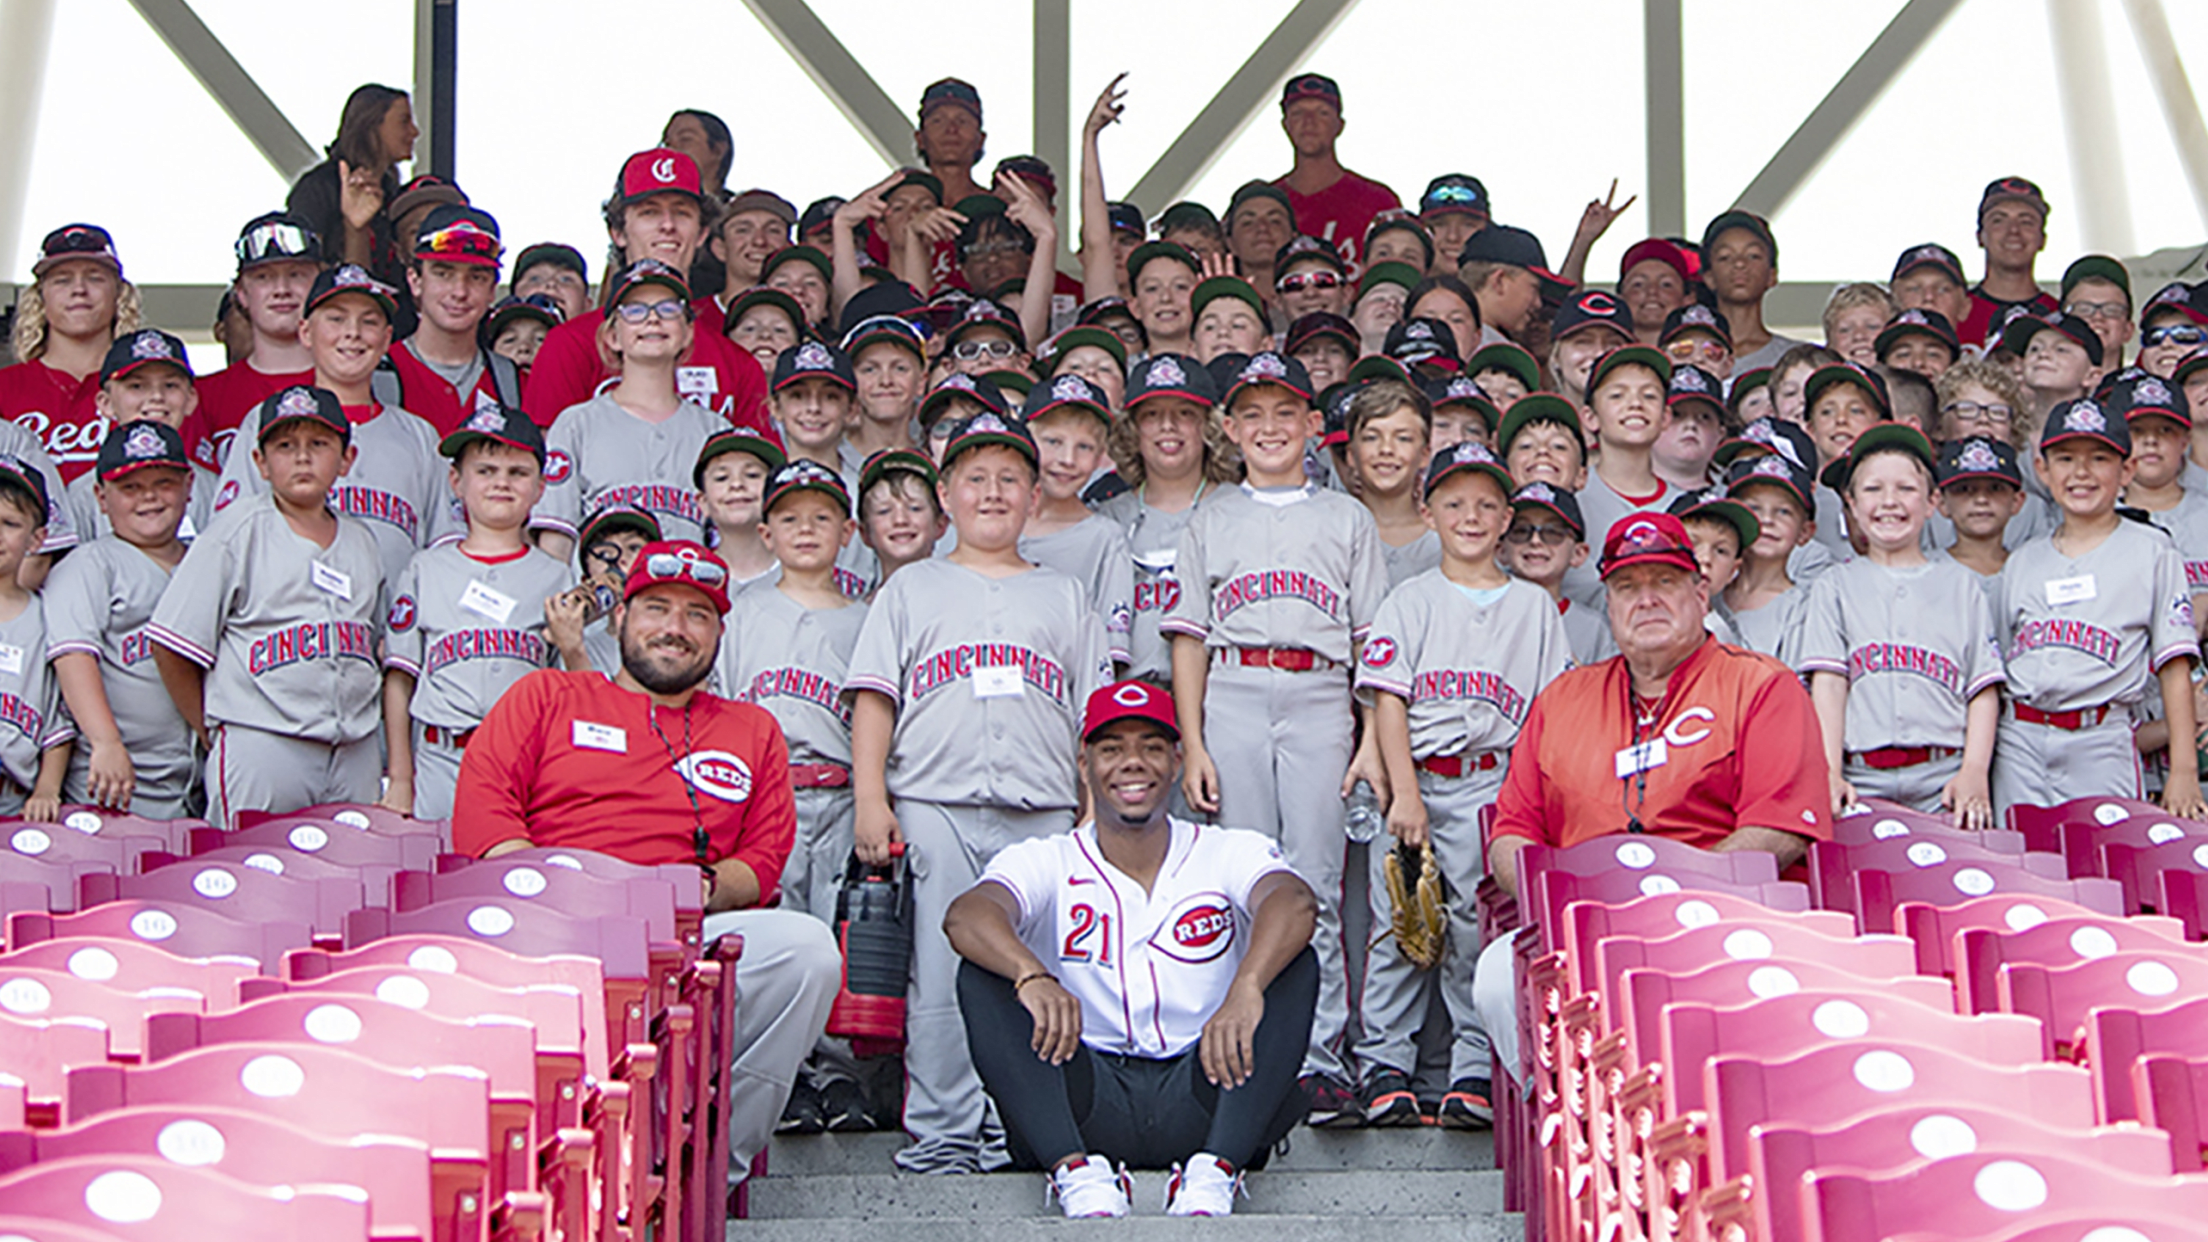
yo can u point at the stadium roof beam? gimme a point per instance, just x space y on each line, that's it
233 89
1052 80
839 75
26 32
2150 26
436 83
1844 104
2089 124
1663 53
1237 103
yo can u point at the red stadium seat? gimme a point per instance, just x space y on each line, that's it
365 816
353 847
235 890
1980 951
186 930
1875 821
55 844
146 1197
2116 1037
58 877
14 1102
2171 1092
1831 865
48 995
2181 893
1556 890
374 878
2061 996
1742 940
1587 923
650 898
2042 825
2083 844
1970 1196
134 967
2111 1224
50 1231
1878 893
1933 926
36 1057
99 821
689 897
1651 858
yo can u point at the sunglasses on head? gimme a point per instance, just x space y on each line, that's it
673 565
459 239
1308 280
275 239
1455 194
970 351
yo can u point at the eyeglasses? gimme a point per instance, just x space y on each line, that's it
638 312
1685 348
2117 311
974 351
275 239
1519 536
2186 334
1307 280
672 565
1973 411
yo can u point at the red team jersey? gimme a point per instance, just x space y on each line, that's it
225 398
717 375
1341 212
431 397
57 408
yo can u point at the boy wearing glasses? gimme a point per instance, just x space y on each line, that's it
1310 277
610 542
2173 324
278 259
986 339
443 373
1698 336
1546 540
2097 289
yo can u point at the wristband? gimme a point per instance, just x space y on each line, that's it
1026 979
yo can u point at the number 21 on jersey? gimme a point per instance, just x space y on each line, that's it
1088 936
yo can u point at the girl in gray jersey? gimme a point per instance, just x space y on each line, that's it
1390 427
1070 419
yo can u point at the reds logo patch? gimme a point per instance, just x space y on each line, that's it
718 773
402 614
1167 373
1201 930
228 493
663 169
1598 302
557 466
1379 652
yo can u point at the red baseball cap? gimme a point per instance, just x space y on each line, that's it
682 562
1644 538
1129 700
661 170
1667 253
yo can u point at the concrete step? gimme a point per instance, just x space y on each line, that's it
1422 1147
996 1196
1146 1226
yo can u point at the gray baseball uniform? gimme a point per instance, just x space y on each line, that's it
98 601
1587 629
85 516
1601 505
1468 670
32 719
2085 633
2186 523
1916 646
1154 537
1406 561
397 486
62 531
598 454
1094 552
989 677
1832 526
1298 569
1776 627
286 630
465 629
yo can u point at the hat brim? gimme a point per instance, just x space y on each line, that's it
1578 529
388 304
642 524
758 446
983 439
136 365
133 467
2102 438
1492 470
833 490
45 265
1682 559
456 443
285 420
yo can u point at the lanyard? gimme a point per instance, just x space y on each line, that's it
1638 726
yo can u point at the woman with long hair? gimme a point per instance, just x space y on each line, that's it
65 321
344 196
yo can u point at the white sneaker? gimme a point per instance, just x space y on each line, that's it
1090 1187
1205 1186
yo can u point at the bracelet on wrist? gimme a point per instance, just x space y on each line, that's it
1031 977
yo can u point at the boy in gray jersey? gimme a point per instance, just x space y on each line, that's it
267 632
610 542
2089 616
901 515
1898 648
1546 539
1764 602
469 618
1390 430
146 375
972 671
135 752
1070 419
1455 657
34 732
731 476
1169 453
1981 489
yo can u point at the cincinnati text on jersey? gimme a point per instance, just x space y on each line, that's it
650 497
136 647
956 664
1267 584
1159 596
367 502
311 640
1478 685
798 683
487 645
1901 658
2076 635
22 717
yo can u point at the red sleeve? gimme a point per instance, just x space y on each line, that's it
747 384
497 769
1522 808
1784 782
566 371
769 827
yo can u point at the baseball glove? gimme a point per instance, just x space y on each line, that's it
1421 910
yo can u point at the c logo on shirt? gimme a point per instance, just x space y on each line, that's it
718 773
228 493
1201 930
402 614
557 465
1678 737
1379 652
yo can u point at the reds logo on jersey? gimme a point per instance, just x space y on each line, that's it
402 614
718 773
228 493
557 465
1202 928
1379 652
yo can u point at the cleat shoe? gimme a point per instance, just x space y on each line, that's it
843 1108
1389 1100
1089 1187
802 1115
1333 1106
1205 1186
1468 1105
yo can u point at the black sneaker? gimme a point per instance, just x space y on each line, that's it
1389 1100
1468 1106
843 1108
802 1115
1333 1105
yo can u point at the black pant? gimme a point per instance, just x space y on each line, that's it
1147 1113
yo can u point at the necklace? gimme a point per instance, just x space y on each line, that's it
700 840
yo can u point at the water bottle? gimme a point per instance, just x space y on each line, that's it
1362 821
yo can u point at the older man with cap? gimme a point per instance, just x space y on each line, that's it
1326 199
1677 736
649 767
1165 1030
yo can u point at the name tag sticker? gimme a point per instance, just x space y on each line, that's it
11 660
2062 591
1001 681
487 603
697 381
331 580
1653 753
592 736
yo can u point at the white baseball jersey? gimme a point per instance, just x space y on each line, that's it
1775 628
1154 541
1094 552
90 523
990 677
466 628
32 719
599 454
792 660
285 628
99 600
397 486
1298 568
1149 968
1601 506
1587 629
1408 560
1467 670
62 530
2186 523
2080 632
1914 644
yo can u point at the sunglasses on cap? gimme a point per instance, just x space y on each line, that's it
638 312
972 351
1685 348
1453 194
669 565
274 239
914 332
1307 280
459 239
63 243
2186 334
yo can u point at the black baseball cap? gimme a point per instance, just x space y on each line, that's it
1916 322
888 461
1695 317
1466 457
611 518
458 233
77 241
1399 219
799 253
1712 502
1423 342
2012 190
805 476
1540 407
1322 325
814 360
987 428
2017 336
1632 354
1508 357
1056 348
1591 308
1305 246
1692 383
347 278
2135 394
1218 287
2084 419
542 307
1311 86
137 445
652 272
1542 495
1187 215
1068 391
1375 367
1738 219
305 403
1259 189
1769 436
737 440
1269 368
1930 254
1454 192
1170 375
558 254
499 424
1141 256
1978 457
1513 247
15 472
818 215
143 347
979 389
2190 301
1772 468
1125 218
1462 390
2097 267
1824 377
983 313
954 91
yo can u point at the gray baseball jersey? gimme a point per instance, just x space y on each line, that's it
1587 629
1914 644
397 487
466 629
2186 523
31 716
62 531
599 454
99 599
90 523
989 676
1299 568
1406 561
792 660
286 629
1094 552
1776 627
1806 562
1601 505
2082 631
1154 540
1467 670
1832 526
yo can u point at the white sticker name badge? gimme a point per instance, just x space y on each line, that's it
590 735
492 605
1633 760
336 582
2076 590
999 681
700 382
11 660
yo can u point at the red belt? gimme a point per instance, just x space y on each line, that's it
1887 757
1291 659
819 776
447 737
2083 718
1459 765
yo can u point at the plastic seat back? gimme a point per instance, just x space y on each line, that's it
1879 893
2086 845
36 1055
41 1230
46 995
1646 855
1933 927
147 1197
250 894
1727 985
374 878
2059 996
131 966
2180 892
2118 1036
52 843
1980 951
1832 864
100 821
1557 890
1872 820
2042 825
1746 940
352 847
555 1010
186 930
2113 1224
572 892
1587 923
1973 1195
367 817
57 876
